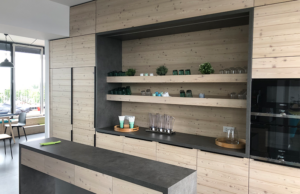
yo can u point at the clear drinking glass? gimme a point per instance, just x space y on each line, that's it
152 121
232 136
160 120
221 71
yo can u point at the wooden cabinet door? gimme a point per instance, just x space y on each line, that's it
33 160
61 53
60 103
221 174
110 142
178 156
140 148
83 105
273 179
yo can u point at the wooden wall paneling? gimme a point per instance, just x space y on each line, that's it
223 48
178 156
83 19
222 174
276 41
206 121
140 148
110 142
61 53
124 187
273 179
60 169
118 14
268 2
93 181
84 50
33 160
60 106
83 106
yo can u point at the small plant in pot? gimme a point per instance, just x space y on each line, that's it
162 70
130 72
206 68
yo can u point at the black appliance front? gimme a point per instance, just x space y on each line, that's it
275 121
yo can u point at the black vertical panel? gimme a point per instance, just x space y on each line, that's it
72 95
95 83
109 58
249 81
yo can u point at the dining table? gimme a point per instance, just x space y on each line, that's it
8 116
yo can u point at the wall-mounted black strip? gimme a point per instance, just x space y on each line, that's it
95 77
72 96
72 135
94 140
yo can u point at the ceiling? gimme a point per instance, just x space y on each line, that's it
70 2
23 40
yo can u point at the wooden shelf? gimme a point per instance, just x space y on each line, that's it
211 102
213 78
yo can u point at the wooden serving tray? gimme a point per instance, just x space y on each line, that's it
126 128
221 142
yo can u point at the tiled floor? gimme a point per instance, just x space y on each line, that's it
9 168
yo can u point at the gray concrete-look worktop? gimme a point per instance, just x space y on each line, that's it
178 139
148 173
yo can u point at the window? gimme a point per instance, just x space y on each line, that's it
5 79
28 80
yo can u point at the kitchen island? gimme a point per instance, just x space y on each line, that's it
70 167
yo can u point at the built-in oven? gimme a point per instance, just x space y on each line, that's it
275 121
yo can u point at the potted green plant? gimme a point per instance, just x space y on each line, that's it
130 72
206 68
162 70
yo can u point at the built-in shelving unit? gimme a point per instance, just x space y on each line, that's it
212 78
212 102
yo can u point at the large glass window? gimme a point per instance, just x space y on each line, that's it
28 80
5 79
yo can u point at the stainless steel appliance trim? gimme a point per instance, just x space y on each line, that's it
286 163
275 115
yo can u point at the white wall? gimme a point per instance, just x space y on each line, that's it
41 19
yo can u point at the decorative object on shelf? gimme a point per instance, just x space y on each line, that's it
148 92
175 72
141 74
230 139
206 68
182 93
222 143
143 93
122 120
160 122
128 90
130 72
233 70
131 121
146 74
166 94
187 72
189 94
151 74
162 70
201 95
181 72
152 121
126 128
233 95
242 94
121 91
154 94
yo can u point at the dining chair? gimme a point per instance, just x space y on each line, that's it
21 123
5 137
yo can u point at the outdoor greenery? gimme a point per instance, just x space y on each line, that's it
25 96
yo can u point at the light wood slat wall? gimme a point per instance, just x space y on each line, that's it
60 107
84 50
268 2
33 160
178 156
273 179
140 148
83 105
124 187
119 14
61 53
221 174
110 142
83 19
224 48
276 41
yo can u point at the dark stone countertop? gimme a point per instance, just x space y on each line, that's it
148 173
178 139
